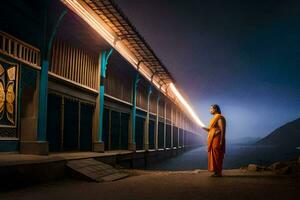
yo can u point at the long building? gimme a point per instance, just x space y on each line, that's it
75 75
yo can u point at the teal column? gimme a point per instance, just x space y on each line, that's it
165 125
172 131
179 127
156 123
42 119
103 63
43 87
146 129
184 131
133 112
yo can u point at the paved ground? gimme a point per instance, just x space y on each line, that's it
146 185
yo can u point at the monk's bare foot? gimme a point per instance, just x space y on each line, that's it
216 175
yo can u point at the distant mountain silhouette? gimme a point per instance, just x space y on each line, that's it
286 136
244 140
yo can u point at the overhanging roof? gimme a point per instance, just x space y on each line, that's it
111 14
110 22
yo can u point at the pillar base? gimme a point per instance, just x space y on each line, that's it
146 147
131 147
34 147
98 147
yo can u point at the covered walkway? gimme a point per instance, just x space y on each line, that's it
84 79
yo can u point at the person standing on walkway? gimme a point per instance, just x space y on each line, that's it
216 141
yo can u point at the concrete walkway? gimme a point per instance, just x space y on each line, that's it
146 185
12 159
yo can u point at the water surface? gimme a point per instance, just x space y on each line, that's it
236 156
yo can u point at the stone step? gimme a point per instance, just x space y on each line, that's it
95 170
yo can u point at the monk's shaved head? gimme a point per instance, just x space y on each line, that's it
217 108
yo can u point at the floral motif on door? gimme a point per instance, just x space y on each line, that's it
8 93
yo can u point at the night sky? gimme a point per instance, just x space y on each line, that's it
242 55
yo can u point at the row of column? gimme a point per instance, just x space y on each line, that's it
40 144
98 144
132 123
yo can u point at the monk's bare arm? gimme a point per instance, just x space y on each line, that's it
206 129
222 129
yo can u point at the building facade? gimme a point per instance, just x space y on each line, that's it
65 87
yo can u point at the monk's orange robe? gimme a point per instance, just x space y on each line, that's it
215 152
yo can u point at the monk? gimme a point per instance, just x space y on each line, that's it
216 141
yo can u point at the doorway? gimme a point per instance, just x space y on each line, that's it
69 124
115 130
